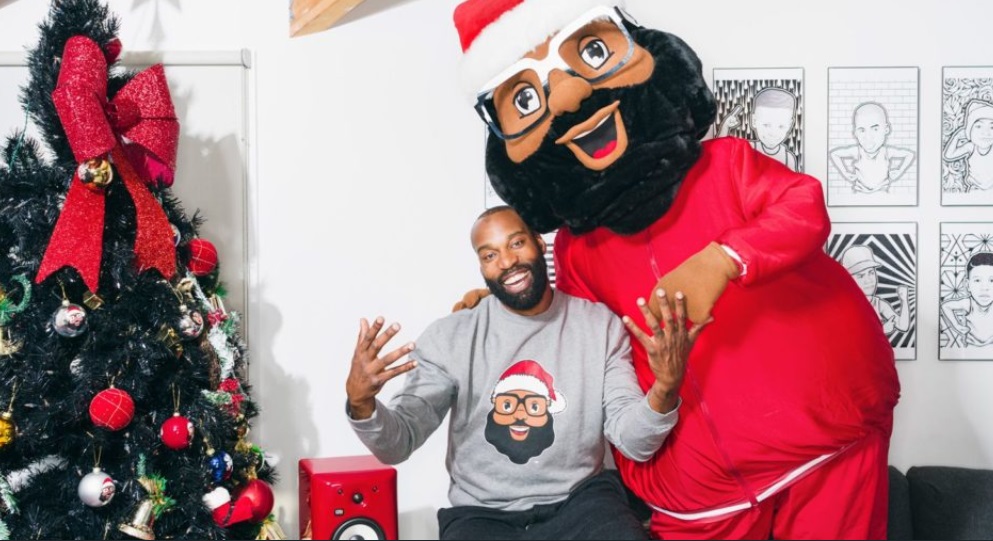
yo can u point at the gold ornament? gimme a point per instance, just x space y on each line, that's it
7 429
156 503
96 174
92 300
271 530
7 345
141 522
185 288
168 336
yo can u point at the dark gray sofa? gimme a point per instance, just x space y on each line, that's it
938 502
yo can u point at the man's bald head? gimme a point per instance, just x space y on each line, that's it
504 213
871 126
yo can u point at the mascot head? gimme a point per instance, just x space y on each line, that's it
594 120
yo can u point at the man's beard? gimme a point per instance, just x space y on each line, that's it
664 118
530 297
519 452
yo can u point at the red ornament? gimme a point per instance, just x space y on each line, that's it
203 257
258 494
177 432
112 409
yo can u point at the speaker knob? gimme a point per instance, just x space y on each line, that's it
357 497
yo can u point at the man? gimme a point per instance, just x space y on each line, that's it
596 121
860 261
871 165
971 316
973 142
535 380
772 121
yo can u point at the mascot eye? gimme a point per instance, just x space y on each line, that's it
534 408
526 100
505 407
595 53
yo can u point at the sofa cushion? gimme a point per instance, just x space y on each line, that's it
901 525
951 503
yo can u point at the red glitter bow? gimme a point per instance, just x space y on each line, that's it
142 114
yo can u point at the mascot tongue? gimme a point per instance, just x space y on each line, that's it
600 141
605 151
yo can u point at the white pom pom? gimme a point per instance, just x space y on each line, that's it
216 498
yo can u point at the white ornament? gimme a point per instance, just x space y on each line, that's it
96 489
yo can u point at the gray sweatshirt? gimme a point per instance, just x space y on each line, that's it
532 399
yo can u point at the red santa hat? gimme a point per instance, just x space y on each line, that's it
530 376
496 33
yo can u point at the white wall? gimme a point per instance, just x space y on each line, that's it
370 171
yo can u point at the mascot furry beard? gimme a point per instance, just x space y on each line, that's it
789 394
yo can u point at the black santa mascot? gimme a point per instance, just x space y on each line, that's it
787 404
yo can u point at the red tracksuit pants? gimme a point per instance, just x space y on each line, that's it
846 498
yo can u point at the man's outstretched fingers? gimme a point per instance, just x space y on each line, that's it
385 337
372 331
681 309
653 324
665 309
363 329
392 357
391 373
637 332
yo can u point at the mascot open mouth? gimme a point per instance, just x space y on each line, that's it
600 140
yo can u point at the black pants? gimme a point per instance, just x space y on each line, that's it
597 509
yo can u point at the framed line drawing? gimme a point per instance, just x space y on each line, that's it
873 134
764 106
882 259
965 323
967 136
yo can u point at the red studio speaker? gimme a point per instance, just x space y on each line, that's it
352 497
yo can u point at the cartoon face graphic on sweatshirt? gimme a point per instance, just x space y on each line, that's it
520 425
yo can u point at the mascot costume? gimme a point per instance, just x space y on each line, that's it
787 404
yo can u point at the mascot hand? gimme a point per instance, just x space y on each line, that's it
701 278
471 299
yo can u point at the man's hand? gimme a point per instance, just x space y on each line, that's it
369 371
471 299
730 122
668 348
903 292
972 339
702 278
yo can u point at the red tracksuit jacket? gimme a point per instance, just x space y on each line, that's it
795 364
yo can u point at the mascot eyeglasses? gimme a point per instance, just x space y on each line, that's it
594 47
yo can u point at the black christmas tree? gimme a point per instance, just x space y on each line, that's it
123 405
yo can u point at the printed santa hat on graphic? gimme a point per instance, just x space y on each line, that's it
496 33
530 376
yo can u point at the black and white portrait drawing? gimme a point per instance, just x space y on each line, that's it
966 312
872 136
882 259
967 136
764 106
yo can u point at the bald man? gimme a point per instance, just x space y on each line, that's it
871 165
